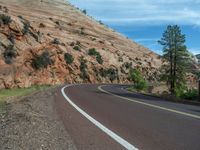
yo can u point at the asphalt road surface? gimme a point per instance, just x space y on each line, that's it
107 117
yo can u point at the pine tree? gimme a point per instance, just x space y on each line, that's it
176 55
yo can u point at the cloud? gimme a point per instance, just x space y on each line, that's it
195 51
143 12
146 40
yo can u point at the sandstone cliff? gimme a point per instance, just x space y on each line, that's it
63 35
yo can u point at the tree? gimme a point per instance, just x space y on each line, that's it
84 11
176 55
139 81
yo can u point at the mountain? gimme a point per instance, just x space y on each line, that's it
48 42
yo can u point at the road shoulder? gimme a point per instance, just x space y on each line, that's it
33 123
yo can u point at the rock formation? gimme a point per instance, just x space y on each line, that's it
38 39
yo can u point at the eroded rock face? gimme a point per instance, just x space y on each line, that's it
57 27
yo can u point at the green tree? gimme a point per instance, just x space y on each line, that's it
139 81
176 55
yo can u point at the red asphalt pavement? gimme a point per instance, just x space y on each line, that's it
145 127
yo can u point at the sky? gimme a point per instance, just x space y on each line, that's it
144 21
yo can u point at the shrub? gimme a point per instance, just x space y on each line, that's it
9 54
11 37
42 61
127 65
83 67
92 51
99 59
25 30
82 30
68 58
84 11
190 94
72 44
5 19
136 77
78 43
102 72
56 41
112 74
120 59
77 48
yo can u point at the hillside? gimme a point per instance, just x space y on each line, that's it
58 36
198 57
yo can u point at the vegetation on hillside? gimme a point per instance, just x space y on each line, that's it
9 54
42 61
4 19
93 52
139 82
68 58
83 68
177 59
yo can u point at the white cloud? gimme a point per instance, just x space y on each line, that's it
146 40
144 12
195 51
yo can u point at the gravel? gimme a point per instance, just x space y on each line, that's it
32 123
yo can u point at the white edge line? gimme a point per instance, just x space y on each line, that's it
113 135
151 105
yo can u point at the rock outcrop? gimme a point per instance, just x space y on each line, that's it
56 27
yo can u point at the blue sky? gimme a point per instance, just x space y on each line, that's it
145 20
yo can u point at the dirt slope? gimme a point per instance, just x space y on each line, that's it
56 27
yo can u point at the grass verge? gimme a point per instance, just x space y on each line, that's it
18 92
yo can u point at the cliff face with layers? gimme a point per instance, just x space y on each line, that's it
55 29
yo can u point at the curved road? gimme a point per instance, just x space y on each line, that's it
144 122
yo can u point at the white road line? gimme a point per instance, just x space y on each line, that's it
151 105
113 135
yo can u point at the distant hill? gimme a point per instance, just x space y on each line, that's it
198 57
48 42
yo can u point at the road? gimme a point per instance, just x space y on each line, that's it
132 121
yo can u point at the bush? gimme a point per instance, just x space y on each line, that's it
93 52
72 44
83 67
9 54
190 94
42 61
68 58
77 48
25 30
103 72
112 74
136 77
6 20
11 37
127 65
56 41
84 11
99 59
120 59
